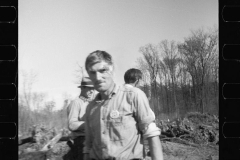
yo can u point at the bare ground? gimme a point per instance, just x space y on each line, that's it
177 151
171 151
198 142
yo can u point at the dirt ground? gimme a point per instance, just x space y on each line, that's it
177 151
199 143
171 151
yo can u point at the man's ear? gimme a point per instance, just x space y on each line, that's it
135 83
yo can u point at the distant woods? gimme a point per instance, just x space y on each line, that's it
179 77
35 109
182 77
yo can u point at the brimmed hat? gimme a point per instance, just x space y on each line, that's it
86 81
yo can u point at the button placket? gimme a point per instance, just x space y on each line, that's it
103 123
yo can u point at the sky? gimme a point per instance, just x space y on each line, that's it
55 36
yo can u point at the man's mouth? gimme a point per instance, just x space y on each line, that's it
99 83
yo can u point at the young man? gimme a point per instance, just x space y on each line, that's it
117 117
132 77
76 114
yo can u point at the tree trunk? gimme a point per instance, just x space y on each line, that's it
194 88
170 97
167 97
161 91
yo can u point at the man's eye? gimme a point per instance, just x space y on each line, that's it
103 70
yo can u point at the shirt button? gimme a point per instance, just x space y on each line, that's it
103 132
102 118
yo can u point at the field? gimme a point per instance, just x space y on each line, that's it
193 138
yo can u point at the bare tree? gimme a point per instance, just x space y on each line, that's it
170 54
151 58
164 83
37 100
182 77
198 51
27 82
143 66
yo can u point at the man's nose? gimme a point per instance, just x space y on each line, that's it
98 76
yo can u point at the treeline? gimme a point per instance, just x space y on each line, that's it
41 117
35 109
182 77
178 78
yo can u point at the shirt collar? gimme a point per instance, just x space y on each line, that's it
129 85
85 99
115 89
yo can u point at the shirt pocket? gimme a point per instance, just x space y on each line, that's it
119 129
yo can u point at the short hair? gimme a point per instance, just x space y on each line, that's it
132 75
96 57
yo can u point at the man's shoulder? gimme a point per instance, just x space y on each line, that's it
131 92
130 89
77 100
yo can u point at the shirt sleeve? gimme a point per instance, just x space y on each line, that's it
88 134
144 115
74 109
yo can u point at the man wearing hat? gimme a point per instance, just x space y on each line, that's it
76 115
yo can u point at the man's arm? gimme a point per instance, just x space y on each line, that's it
155 148
88 137
146 123
73 112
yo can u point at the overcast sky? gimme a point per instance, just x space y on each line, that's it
56 35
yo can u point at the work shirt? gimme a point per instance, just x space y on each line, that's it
114 126
129 85
76 116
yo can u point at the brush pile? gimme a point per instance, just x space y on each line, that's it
42 143
195 129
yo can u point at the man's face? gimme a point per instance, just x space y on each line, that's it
101 75
87 92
